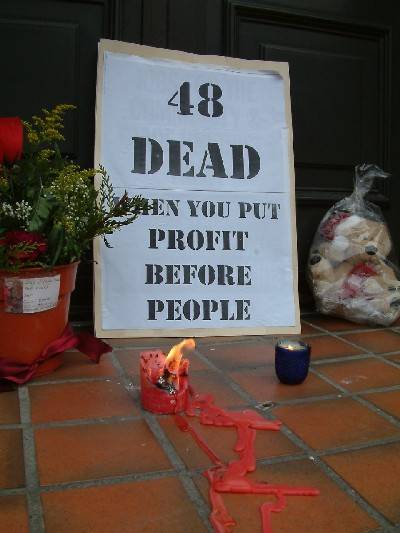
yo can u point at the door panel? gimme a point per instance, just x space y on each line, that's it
344 66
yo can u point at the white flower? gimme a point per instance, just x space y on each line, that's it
21 212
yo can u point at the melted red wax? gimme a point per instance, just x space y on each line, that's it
231 477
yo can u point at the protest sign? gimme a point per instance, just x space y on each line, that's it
208 141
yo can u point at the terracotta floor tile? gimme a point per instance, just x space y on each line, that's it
96 451
209 382
222 442
374 473
306 329
376 341
232 356
13 514
12 473
332 423
129 359
263 385
72 401
203 341
160 505
388 401
334 324
147 342
395 358
78 365
330 512
196 363
326 346
362 374
9 408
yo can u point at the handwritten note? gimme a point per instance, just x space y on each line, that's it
31 295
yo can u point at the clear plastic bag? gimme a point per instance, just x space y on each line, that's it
350 266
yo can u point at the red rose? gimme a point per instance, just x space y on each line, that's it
34 242
11 139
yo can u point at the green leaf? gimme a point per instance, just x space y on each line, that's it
41 214
55 242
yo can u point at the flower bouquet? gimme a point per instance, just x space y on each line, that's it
50 212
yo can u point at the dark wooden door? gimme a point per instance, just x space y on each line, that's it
344 64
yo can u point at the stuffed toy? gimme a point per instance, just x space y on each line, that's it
350 273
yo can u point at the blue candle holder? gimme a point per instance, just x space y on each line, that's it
292 361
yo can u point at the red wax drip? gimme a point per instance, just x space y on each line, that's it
232 478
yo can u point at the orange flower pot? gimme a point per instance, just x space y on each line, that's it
23 336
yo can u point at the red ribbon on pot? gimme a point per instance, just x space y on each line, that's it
11 139
84 342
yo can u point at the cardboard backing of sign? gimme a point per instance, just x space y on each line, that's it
232 64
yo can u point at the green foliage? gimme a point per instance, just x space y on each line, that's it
48 194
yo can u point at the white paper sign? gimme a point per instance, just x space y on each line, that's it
209 145
31 295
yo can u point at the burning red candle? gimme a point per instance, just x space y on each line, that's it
164 379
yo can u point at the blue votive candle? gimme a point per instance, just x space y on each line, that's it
292 361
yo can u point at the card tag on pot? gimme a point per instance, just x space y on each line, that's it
31 295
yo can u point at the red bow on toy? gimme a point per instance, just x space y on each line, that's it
11 139
327 230
352 287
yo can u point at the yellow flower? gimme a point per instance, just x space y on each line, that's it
3 184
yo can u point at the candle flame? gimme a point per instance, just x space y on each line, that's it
173 359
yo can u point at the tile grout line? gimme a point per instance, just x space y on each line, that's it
313 456
13 492
88 379
339 359
356 496
318 362
159 474
357 397
365 329
360 446
35 511
183 474
260 338
317 459
10 426
168 448
86 422
367 352
105 481
345 331
142 476
331 396
200 342
254 403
